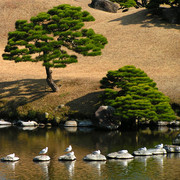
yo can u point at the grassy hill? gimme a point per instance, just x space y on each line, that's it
134 38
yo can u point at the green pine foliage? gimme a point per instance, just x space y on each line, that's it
47 36
125 3
135 96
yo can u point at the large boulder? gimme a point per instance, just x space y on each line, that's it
105 119
176 141
105 5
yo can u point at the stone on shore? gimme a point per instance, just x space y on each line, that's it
11 159
67 157
71 123
41 158
95 157
85 123
118 155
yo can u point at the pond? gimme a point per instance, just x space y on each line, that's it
26 143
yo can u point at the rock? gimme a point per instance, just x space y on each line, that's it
172 148
176 141
67 157
11 159
162 123
85 123
119 155
71 123
2 122
28 123
175 123
95 157
142 153
41 158
105 118
157 151
105 5
172 15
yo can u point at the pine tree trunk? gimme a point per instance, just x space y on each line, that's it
50 81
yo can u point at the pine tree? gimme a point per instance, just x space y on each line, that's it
135 96
48 35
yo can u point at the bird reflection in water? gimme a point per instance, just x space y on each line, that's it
97 165
143 159
45 168
70 167
11 165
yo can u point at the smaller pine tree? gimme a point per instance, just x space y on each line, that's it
135 96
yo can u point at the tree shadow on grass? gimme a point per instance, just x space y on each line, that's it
23 91
86 105
146 19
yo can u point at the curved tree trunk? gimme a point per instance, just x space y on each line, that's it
50 81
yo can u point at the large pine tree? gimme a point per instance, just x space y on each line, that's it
48 35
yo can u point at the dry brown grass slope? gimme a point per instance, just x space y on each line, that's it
134 38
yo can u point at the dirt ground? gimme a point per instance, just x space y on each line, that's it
134 38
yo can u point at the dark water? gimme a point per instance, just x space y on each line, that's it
26 144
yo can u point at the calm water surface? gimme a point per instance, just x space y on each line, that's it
26 144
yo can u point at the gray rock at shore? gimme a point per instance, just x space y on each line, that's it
71 123
120 155
85 123
105 119
94 157
41 158
11 159
67 157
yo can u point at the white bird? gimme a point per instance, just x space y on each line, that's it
142 149
68 149
70 153
44 151
96 152
11 155
123 151
159 146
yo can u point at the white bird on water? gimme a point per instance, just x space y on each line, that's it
123 151
159 146
96 152
11 155
44 151
142 149
68 149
